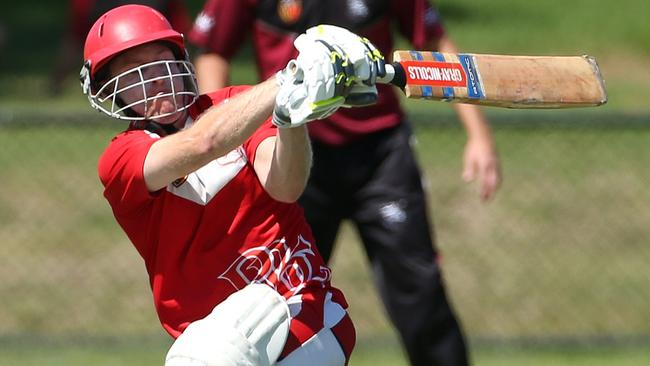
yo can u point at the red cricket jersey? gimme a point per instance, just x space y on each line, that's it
222 26
213 232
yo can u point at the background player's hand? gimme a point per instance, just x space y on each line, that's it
481 161
366 59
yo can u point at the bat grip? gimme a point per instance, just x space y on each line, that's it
394 75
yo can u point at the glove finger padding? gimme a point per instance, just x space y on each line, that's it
313 86
367 62
334 68
377 62
343 69
291 94
321 60
367 59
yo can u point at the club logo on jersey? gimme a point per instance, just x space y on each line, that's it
204 22
179 182
289 10
474 86
358 9
286 268
433 73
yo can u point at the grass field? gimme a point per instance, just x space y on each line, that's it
151 351
560 255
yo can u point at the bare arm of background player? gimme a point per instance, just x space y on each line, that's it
480 159
212 72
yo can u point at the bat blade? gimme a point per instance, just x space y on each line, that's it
499 80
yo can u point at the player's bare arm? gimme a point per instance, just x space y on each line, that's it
282 163
480 158
218 131
212 71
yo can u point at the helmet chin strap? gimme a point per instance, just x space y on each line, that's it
167 129
161 129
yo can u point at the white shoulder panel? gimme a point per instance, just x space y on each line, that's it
203 184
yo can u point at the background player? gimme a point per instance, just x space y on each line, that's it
364 167
205 188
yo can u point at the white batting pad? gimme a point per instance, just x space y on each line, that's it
249 328
323 349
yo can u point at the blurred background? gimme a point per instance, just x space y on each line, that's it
554 271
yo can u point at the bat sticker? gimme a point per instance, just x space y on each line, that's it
474 87
433 73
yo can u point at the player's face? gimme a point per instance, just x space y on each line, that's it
145 81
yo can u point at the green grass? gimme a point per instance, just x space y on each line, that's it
578 26
151 351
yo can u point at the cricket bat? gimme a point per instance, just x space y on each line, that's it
498 80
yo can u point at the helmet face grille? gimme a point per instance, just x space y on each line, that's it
138 93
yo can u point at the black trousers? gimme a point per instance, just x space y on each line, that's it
376 183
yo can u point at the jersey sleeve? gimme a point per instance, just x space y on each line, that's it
222 26
265 131
418 21
120 170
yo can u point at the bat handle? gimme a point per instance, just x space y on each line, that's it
394 75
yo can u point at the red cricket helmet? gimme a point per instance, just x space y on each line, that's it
125 27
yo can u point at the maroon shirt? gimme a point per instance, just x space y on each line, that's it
223 25
83 13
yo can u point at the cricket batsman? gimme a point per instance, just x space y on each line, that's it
205 187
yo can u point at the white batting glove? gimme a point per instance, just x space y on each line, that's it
311 87
367 61
334 68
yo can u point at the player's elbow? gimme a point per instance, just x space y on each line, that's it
287 194
292 195
203 145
